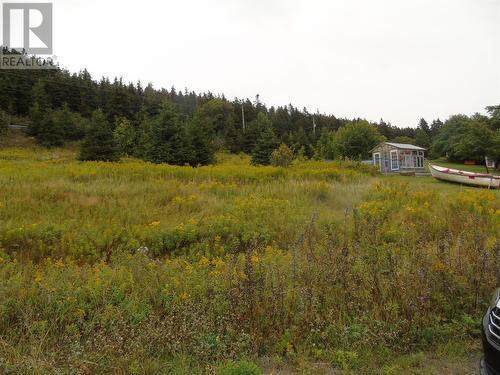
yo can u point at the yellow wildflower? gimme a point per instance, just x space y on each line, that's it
439 266
203 261
38 277
214 273
218 262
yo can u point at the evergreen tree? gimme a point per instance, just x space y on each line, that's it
424 126
422 138
71 124
282 122
50 133
99 143
403 139
4 122
435 127
301 141
167 141
39 110
254 131
201 149
264 148
143 137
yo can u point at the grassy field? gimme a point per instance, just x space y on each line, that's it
133 268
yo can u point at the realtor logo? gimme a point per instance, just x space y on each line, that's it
28 26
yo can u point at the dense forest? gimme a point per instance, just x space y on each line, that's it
115 118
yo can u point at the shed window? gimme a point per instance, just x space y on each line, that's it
376 159
394 160
418 161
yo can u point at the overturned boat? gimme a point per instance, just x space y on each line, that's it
464 177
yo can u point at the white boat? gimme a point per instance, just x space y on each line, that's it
464 177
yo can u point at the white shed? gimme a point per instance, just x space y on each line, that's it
398 157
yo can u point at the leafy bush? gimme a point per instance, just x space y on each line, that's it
125 137
239 368
282 156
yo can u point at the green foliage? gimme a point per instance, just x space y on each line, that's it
201 148
494 112
300 140
325 148
478 141
403 139
356 139
219 121
239 368
217 117
39 109
125 137
72 125
253 132
463 137
167 141
282 156
422 139
4 121
346 360
50 131
98 144
264 148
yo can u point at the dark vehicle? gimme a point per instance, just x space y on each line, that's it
490 364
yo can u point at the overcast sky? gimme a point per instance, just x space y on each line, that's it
393 59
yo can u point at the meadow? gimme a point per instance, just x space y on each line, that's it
135 268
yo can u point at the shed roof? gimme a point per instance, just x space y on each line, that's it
404 146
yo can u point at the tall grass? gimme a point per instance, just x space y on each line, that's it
242 262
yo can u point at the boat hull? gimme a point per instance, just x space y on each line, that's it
464 177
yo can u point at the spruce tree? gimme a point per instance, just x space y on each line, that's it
202 150
264 148
39 110
4 121
167 140
254 131
72 124
98 143
50 132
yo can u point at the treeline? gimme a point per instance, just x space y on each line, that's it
184 127
470 137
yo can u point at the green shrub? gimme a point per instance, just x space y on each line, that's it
241 367
282 156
